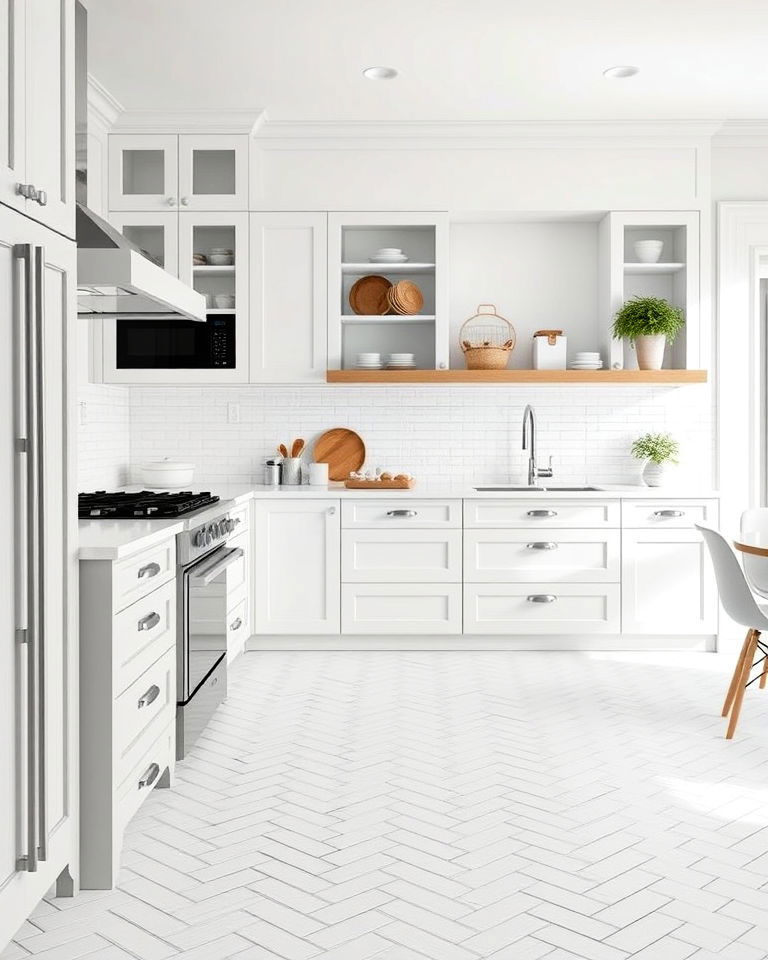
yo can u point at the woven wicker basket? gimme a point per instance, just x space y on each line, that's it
487 339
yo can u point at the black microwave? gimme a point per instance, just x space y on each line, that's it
176 344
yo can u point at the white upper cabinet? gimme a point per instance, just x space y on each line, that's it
37 143
288 328
186 172
155 234
213 172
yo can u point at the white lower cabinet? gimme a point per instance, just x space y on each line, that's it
401 608
297 567
391 556
542 608
528 556
668 583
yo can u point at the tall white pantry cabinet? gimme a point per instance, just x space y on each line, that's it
38 556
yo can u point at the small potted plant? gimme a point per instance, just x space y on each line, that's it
657 449
649 323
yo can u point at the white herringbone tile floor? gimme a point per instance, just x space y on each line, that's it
449 806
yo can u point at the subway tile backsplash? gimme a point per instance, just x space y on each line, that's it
440 434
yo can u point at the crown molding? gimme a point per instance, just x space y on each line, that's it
190 121
488 134
102 106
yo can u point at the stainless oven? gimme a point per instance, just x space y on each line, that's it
202 651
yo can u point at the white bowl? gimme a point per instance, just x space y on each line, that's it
221 259
648 251
383 251
166 473
224 301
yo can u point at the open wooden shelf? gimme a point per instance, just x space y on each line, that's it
607 377
653 269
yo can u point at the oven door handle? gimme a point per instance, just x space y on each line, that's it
204 576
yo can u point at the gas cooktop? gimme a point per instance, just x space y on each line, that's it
121 506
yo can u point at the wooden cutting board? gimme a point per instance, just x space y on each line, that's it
342 449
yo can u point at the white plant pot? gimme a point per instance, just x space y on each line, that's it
648 251
650 351
654 474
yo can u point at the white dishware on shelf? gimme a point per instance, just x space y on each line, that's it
648 251
224 301
388 259
221 259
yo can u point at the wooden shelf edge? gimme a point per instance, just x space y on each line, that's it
607 377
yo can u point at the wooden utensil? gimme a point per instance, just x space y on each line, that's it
297 448
283 450
368 295
342 449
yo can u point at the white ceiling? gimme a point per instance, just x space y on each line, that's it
459 60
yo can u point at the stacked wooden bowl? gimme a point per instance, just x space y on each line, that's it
374 295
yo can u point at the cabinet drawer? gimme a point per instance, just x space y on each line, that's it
535 510
522 556
392 556
143 632
668 513
400 513
401 608
237 574
240 514
541 608
138 575
144 776
145 708
237 629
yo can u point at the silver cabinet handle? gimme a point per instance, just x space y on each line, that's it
147 623
402 513
149 697
150 775
41 588
236 624
668 514
541 598
539 514
42 198
171 201
148 570
331 511
26 190
185 201
546 545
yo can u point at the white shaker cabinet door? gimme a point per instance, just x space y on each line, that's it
297 567
12 103
667 583
143 172
288 297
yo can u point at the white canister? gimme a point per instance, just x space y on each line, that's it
550 350
318 474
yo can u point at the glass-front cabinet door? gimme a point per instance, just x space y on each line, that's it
213 172
155 234
143 172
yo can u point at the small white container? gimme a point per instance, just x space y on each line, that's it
318 474
550 350
648 251
166 474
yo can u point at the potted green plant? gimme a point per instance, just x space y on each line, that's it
649 323
657 449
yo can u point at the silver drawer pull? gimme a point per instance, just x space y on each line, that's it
148 570
149 697
546 545
147 623
150 775
402 513
668 514
236 624
542 513
541 598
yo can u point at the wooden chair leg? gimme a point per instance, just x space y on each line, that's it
742 685
736 675
764 674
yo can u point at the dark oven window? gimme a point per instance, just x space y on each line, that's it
176 344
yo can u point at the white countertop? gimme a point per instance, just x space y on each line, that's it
115 539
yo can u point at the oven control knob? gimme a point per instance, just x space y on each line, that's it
199 540
216 528
208 535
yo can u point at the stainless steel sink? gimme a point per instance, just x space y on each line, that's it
503 489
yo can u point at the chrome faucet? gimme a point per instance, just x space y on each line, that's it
529 444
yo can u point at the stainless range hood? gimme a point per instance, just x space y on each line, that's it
115 279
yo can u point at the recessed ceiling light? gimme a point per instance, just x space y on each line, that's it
620 73
380 73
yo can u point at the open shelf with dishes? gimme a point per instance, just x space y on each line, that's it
604 377
387 290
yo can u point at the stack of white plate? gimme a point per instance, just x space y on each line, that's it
586 360
388 255
368 361
401 361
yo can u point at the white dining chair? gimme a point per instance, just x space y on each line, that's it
740 605
754 525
